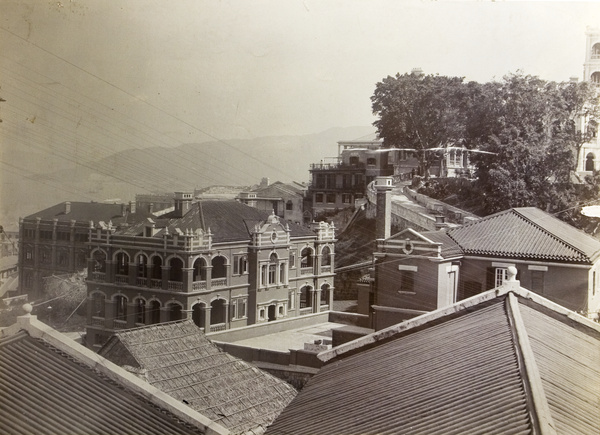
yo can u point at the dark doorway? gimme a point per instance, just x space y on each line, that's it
272 313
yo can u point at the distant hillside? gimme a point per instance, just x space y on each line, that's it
121 175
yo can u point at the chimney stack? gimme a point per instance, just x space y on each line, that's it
183 203
67 207
132 207
383 186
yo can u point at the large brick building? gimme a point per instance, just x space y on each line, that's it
53 241
222 263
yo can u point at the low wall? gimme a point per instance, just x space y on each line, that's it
353 319
258 330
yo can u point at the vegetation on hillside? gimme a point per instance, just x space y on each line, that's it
529 132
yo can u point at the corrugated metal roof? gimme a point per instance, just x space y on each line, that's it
178 359
568 360
459 376
476 367
526 233
42 391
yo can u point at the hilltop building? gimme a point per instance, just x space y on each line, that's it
225 264
341 181
505 361
285 200
416 272
589 155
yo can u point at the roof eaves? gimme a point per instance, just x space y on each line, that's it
540 410
39 330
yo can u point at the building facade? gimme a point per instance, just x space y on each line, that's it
222 263
285 200
589 155
339 183
417 272
54 241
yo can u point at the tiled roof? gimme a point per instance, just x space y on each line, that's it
44 391
506 361
178 359
526 233
81 211
228 221
449 247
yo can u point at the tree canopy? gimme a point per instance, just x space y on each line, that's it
532 128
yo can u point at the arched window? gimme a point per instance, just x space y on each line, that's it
306 258
174 312
156 267
154 312
273 268
219 270
142 265
326 256
199 315
282 277
289 205
175 270
217 312
122 264
140 311
589 162
200 270
98 304
325 294
120 307
595 78
305 299
99 261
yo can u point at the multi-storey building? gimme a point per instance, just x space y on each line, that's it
222 263
284 200
53 241
589 155
339 183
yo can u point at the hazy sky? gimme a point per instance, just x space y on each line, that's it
137 73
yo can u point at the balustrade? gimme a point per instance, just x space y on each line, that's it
305 311
218 282
175 285
97 321
99 276
306 270
218 327
155 283
199 285
121 279
325 269
119 324
141 282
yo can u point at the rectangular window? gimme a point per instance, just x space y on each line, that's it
291 299
346 198
29 234
272 273
319 198
46 235
537 281
501 275
407 281
292 260
331 198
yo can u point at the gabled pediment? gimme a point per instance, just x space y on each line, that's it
271 232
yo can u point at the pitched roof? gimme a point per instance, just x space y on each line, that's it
228 221
506 361
81 211
50 385
526 233
178 359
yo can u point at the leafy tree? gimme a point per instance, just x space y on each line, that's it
533 129
419 112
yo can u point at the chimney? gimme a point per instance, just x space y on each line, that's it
67 207
383 186
123 209
265 182
131 207
183 203
440 221
150 207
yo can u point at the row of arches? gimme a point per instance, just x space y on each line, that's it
152 267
